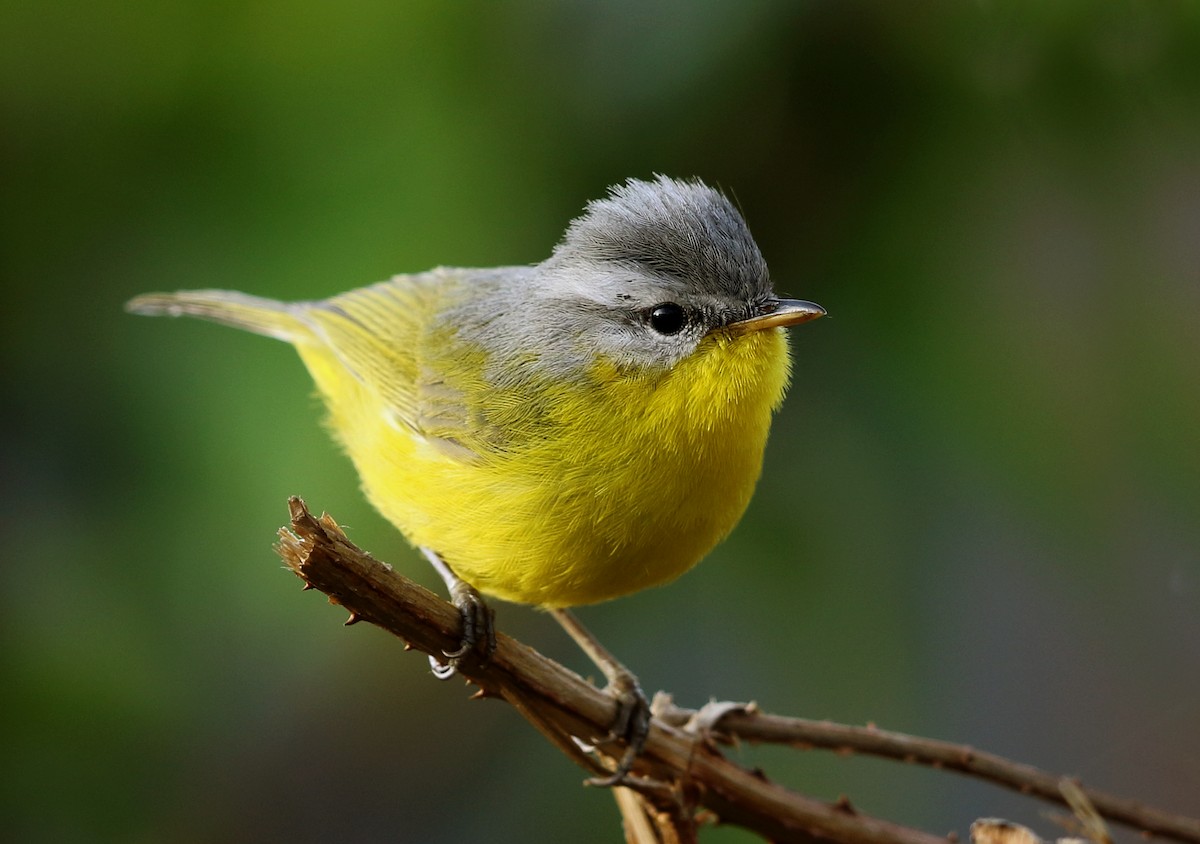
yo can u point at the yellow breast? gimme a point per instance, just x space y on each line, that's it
624 481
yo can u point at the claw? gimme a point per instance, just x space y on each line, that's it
478 622
631 726
442 672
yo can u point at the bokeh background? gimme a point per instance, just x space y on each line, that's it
980 514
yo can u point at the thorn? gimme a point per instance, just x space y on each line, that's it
354 618
479 695
707 817
843 804
408 646
952 836
307 586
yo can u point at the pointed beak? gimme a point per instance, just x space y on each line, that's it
780 314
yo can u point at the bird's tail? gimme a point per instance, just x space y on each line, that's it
251 313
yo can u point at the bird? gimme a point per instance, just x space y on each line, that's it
561 433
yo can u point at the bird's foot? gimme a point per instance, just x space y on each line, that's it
631 726
478 623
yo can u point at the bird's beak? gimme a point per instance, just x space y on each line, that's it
781 313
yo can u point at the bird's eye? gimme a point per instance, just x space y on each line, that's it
667 318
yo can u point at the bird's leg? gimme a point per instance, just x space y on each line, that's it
632 724
478 620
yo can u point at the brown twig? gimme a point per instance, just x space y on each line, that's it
675 770
743 722
679 771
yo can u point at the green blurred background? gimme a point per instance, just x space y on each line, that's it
979 514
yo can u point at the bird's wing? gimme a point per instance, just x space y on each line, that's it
393 338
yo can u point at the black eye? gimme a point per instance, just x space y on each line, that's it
667 318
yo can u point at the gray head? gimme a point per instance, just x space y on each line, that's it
656 266
642 277
680 232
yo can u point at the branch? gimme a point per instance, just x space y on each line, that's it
674 768
680 768
740 722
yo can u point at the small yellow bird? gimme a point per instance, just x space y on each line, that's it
556 434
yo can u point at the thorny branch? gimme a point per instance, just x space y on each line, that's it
740 722
681 770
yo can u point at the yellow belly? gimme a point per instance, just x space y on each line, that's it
636 477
